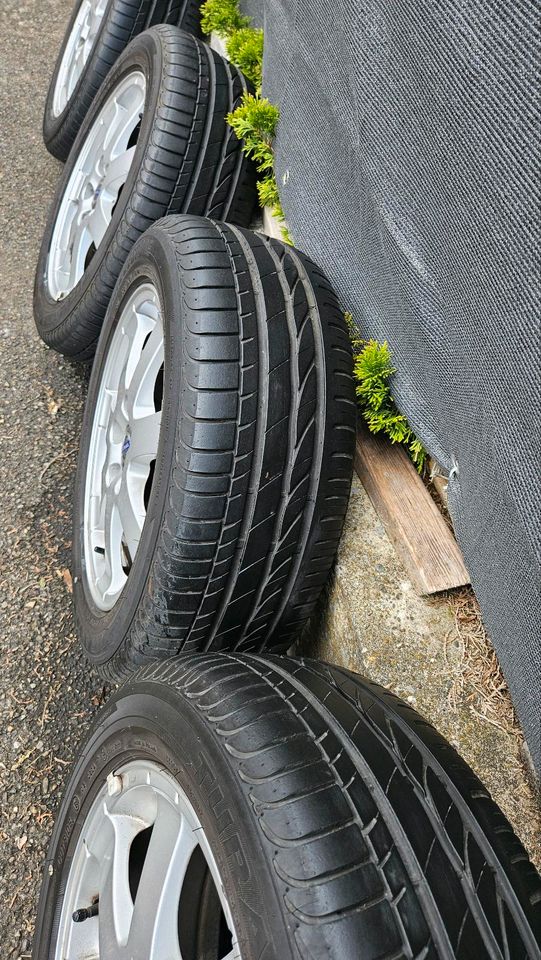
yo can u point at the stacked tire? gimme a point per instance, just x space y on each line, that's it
154 142
286 809
98 32
230 801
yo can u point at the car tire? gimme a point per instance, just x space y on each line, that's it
181 156
120 22
342 826
252 468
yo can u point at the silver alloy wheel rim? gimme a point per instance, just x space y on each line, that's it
99 173
148 926
77 51
123 445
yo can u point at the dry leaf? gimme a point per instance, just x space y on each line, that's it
53 406
66 577
21 841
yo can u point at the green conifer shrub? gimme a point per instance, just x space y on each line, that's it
372 370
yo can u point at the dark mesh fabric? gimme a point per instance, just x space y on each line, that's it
407 164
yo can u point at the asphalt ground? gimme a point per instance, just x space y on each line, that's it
48 693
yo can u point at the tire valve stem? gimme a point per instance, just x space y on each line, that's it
84 913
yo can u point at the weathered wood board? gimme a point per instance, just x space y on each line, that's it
418 531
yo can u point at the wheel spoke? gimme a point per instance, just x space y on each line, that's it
145 437
117 172
67 259
76 70
115 125
79 245
103 133
135 327
131 509
85 29
98 220
116 905
125 119
154 930
140 392
98 9
113 577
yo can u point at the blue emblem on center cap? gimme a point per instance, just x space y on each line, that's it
126 446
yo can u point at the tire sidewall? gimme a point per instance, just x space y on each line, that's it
145 52
152 721
103 633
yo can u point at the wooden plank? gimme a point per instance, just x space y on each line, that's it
414 524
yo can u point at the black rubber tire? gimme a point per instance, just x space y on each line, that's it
187 159
343 826
122 22
254 465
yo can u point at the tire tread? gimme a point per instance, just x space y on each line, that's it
257 496
318 763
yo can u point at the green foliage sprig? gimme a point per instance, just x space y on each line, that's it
255 122
222 17
245 48
372 370
256 119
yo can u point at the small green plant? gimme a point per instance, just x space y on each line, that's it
255 120
255 123
245 48
372 370
222 17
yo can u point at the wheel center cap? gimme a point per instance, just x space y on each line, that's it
126 444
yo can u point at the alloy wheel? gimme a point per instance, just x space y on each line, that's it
77 51
143 883
91 194
123 445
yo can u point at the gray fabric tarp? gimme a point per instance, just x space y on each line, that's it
407 165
